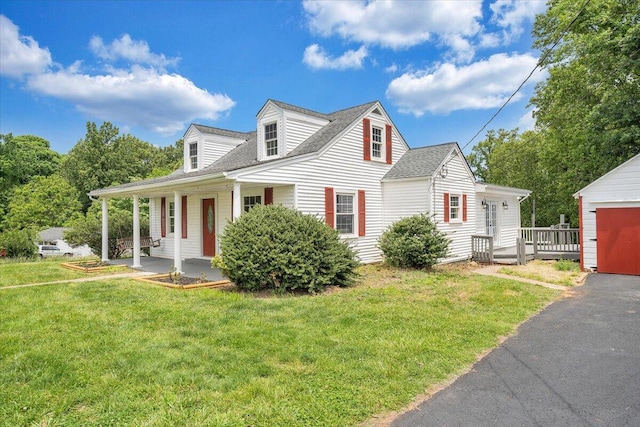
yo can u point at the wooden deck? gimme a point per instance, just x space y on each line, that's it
538 243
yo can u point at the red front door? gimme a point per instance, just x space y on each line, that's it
208 227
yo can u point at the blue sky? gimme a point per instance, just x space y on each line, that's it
440 68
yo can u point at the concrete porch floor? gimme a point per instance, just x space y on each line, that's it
191 267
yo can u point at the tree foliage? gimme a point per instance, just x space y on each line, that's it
18 243
105 157
43 202
587 111
87 229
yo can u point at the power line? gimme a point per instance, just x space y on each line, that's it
538 65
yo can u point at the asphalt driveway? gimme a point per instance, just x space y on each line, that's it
575 364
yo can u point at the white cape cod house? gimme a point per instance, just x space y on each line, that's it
351 167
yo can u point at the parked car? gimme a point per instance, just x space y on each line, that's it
51 250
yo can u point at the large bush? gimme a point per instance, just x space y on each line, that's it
18 243
273 247
414 242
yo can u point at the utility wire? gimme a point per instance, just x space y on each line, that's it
538 65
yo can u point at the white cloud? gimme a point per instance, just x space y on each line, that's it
394 24
135 51
527 121
317 58
391 69
20 55
511 15
483 84
141 97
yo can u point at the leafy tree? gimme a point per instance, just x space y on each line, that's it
588 109
87 229
43 202
104 158
167 159
21 159
481 160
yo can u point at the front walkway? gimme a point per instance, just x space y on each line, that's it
190 267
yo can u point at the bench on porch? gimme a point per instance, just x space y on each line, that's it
145 242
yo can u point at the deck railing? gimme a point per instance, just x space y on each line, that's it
482 248
550 239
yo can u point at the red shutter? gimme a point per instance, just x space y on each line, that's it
329 211
389 145
184 217
464 207
268 196
362 213
163 217
446 207
366 138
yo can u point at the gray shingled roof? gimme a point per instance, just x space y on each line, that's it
245 154
420 162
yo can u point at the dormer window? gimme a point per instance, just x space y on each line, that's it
271 139
193 155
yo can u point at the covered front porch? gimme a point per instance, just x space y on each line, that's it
186 219
191 267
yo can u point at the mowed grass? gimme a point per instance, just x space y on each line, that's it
46 270
121 353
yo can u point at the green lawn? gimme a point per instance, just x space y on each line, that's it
46 270
119 352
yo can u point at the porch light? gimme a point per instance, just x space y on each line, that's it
484 203
505 205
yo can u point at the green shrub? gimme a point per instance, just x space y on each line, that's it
18 243
566 265
273 247
414 242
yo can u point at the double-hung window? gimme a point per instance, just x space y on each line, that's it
271 139
345 219
376 142
172 217
455 207
193 155
251 201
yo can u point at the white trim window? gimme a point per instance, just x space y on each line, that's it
455 208
345 213
251 201
193 155
377 143
172 217
271 139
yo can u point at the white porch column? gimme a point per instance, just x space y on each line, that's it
105 230
136 233
177 231
237 200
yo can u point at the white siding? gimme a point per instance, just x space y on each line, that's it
508 220
618 188
342 168
402 199
298 128
458 181
211 147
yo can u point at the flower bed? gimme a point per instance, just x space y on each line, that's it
91 266
181 282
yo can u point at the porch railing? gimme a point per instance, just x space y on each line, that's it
551 239
482 248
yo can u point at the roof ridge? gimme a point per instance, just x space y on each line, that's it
293 107
221 129
354 107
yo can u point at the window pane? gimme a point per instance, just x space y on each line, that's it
251 201
271 139
344 224
344 203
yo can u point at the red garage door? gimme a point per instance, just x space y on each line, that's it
618 240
